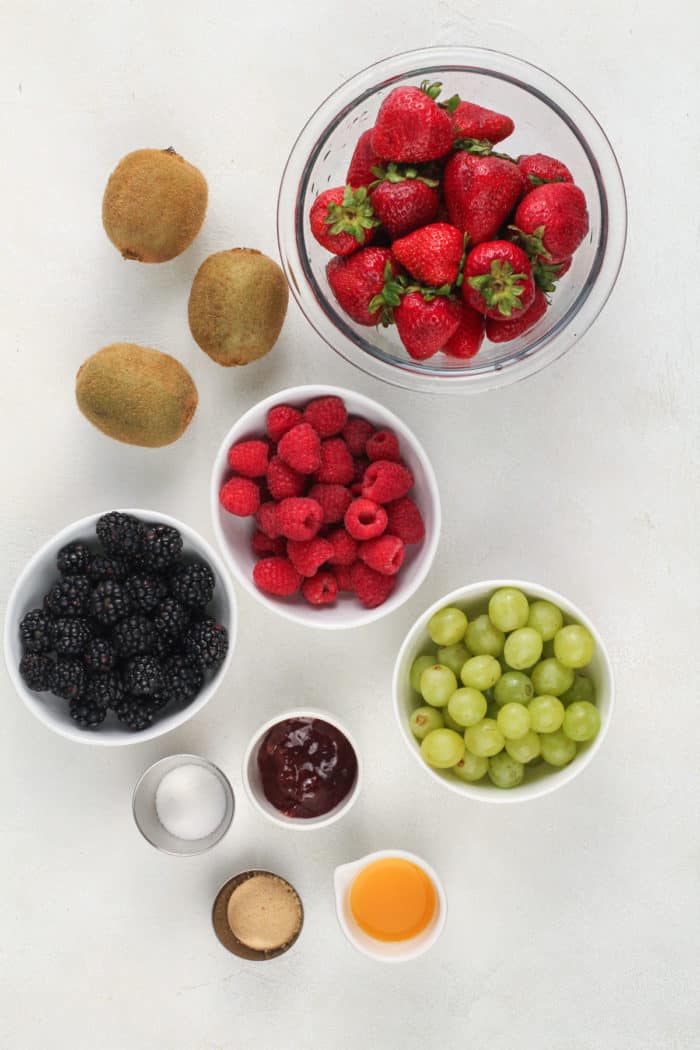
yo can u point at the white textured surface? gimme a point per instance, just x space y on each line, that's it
573 920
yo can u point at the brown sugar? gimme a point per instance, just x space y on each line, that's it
264 912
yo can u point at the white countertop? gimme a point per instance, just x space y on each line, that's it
574 919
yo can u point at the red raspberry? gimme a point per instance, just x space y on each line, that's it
298 518
371 588
266 519
307 556
249 458
385 481
321 589
385 554
282 481
261 544
405 521
356 433
343 547
240 496
365 519
337 465
383 444
343 575
276 576
300 448
280 419
327 415
334 500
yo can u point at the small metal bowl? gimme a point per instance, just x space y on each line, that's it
226 935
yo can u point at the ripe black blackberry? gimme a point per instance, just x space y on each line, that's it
143 676
87 713
134 636
182 680
109 602
99 655
192 583
172 616
67 678
135 713
105 689
164 643
205 643
161 547
36 670
74 559
34 631
70 635
121 535
68 597
146 592
104 567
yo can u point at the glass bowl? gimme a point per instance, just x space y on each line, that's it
549 119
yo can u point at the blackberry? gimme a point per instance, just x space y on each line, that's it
74 559
134 636
70 635
99 655
87 713
109 602
68 597
67 678
34 631
192 583
36 669
162 546
172 616
164 644
146 592
143 676
182 680
206 643
121 535
135 713
105 690
103 567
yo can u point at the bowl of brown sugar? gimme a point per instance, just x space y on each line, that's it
257 915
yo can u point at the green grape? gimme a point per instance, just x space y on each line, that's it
513 687
505 771
551 678
424 720
574 645
557 749
471 767
523 648
484 739
545 618
437 684
481 672
442 748
483 639
417 667
513 721
582 720
450 722
467 706
582 689
447 626
546 713
524 749
508 609
453 656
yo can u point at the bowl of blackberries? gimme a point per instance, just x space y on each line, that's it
120 628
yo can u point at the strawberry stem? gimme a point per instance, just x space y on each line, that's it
481 148
532 243
499 287
401 173
353 216
431 90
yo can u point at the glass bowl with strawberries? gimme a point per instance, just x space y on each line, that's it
452 219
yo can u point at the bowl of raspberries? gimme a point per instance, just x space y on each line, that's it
120 628
325 506
452 219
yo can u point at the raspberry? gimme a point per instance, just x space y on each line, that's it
385 554
300 448
240 496
307 556
280 419
334 500
321 589
343 574
404 520
327 415
298 518
365 519
357 432
385 481
249 458
261 544
282 481
276 576
383 444
344 547
266 519
337 465
371 588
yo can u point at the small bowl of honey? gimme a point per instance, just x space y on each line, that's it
391 905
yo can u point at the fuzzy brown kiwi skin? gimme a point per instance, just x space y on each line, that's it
136 395
154 205
237 306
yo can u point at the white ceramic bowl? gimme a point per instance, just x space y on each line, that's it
386 951
252 780
27 593
233 534
542 780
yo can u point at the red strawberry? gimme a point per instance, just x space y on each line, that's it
403 200
362 161
424 326
551 221
481 192
410 125
357 280
470 121
498 279
540 168
342 219
432 254
504 331
467 340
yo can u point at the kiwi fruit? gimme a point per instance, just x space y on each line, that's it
136 395
237 306
154 205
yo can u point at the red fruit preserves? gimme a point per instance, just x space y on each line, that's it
307 767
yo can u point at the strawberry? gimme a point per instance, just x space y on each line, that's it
480 193
504 331
357 280
432 254
362 162
547 274
467 340
540 168
411 127
403 200
342 219
551 221
498 279
474 122
425 323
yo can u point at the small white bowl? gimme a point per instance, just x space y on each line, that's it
252 780
34 581
386 951
473 599
233 534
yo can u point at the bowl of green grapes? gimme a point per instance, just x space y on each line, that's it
503 691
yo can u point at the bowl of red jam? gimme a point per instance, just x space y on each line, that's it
302 769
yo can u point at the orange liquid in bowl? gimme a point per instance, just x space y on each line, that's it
392 899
